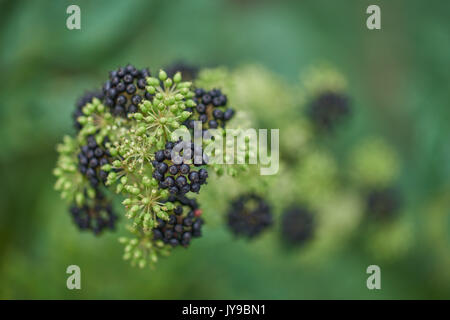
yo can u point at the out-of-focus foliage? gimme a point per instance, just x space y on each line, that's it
396 78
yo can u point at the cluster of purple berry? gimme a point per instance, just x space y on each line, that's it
297 226
174 168
125 90
96 217
210 109
183 225
249 215
91 158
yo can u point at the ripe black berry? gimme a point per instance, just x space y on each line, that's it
183 224
249 215
90 159
297 226
125 90
210 109
96 216
178 174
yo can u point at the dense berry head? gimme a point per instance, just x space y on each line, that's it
184 223
297 226
125 90
96 216
88 97
91 158
175 168
188 72
383 203
249 215
328 109
211 109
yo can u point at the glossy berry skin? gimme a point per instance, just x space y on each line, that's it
125 90
184 223
328 110
383 204
96 216
297 226
211 109
179 175
88 97
249 215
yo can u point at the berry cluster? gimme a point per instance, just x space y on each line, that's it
124 144
183 225
297 226
210 109
249 215
91 158
327 110
95 217
84 100
125 90
174 168
383 203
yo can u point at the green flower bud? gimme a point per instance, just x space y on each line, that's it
106 167
79 198
190 103
140 130
177 77
123 240
150 89
90 193
126 202
168 83
134 209
185 115
162 75
152 81
146 181
112 175
113 152
117 163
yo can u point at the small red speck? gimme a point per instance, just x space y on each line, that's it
198 212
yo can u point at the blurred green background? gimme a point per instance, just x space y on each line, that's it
399 75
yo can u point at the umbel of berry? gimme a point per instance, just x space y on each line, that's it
188 72
175 168
96 216
297 226
249 215
125 90
91 158
183 224
84 100
328 109
382 204
211 109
